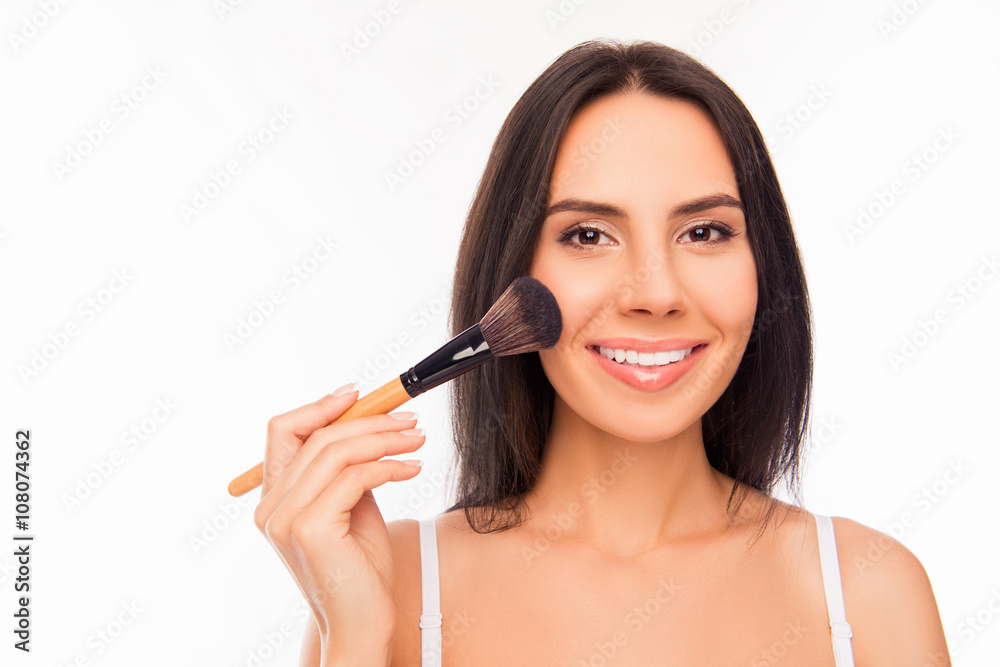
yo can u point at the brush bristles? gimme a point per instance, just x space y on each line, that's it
525 318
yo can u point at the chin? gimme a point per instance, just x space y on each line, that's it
639 419
649 433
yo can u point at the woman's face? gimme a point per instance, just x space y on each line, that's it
645 248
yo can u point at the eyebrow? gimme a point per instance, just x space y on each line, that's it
684 208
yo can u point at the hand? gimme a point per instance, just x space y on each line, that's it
318 512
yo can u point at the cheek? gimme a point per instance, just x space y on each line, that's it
582 291
729 298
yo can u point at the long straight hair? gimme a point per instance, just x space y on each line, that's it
501 411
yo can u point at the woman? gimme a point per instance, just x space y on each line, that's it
619 509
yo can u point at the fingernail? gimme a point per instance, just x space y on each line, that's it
346 389
403 416
413 462
415 432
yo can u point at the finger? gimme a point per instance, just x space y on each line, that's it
286 432
330 513
335 457
330 463
323 437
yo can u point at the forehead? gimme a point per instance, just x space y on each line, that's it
641 145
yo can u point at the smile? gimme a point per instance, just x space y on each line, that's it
636 358
650 370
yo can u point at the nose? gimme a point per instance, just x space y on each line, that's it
652 286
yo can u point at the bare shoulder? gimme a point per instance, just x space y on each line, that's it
404 537
888 596
889 599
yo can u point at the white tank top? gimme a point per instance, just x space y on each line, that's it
430 618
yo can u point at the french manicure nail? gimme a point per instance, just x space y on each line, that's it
403 416
416 432
346 389
414 462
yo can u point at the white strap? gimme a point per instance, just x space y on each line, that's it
840 629
430 618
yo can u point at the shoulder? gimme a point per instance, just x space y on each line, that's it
878 564
889 598
404 538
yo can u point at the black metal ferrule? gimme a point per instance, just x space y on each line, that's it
462 353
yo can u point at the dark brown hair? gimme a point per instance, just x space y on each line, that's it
501 411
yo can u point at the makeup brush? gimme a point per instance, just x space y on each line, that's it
525 318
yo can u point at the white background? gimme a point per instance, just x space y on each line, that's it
847 94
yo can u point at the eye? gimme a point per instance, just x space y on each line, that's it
582 235
708 233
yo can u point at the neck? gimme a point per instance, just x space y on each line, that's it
623 498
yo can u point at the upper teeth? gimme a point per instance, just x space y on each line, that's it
644 358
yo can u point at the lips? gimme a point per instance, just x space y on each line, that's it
647 378
648 345
645 359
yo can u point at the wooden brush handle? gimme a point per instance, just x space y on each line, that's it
386 398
